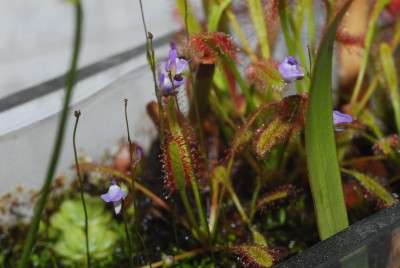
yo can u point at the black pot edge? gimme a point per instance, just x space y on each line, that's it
327 252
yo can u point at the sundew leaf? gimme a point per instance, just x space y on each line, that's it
389 68
323 168
372 186
277 197
245 133
258 238
273 133
254 255
265 74
258 19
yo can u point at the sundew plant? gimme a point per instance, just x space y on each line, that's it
278 126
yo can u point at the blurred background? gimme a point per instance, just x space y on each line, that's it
35 52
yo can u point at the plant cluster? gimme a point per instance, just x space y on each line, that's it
252 150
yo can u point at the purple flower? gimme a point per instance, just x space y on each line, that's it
137 155
165 85
339 118
115 195
289 69
175 65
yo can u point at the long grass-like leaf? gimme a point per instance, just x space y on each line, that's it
216 13
389 68
378 7
257 16
187 13
322 161
31 237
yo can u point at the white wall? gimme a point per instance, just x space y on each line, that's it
35 46
36 36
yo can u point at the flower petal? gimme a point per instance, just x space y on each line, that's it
289 69
171 64
166 90
161 79
181 65
339 118
114 194
117 206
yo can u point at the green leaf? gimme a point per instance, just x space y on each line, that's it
257 16
285 27
389 68
372 186
215 15
258 238
71 214
322 161
377 9
273 133
253 255
193 26
245 133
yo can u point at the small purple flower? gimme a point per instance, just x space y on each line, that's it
137 155
289 69
115 195
165 85
175 65
339 118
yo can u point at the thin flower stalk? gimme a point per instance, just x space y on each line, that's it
77 115
128 239
152 62
135 157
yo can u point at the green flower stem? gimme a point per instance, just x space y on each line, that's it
221 195
246 92
237 203
77 115
152 62
311 25
132 167
128 238
253 204
59 140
